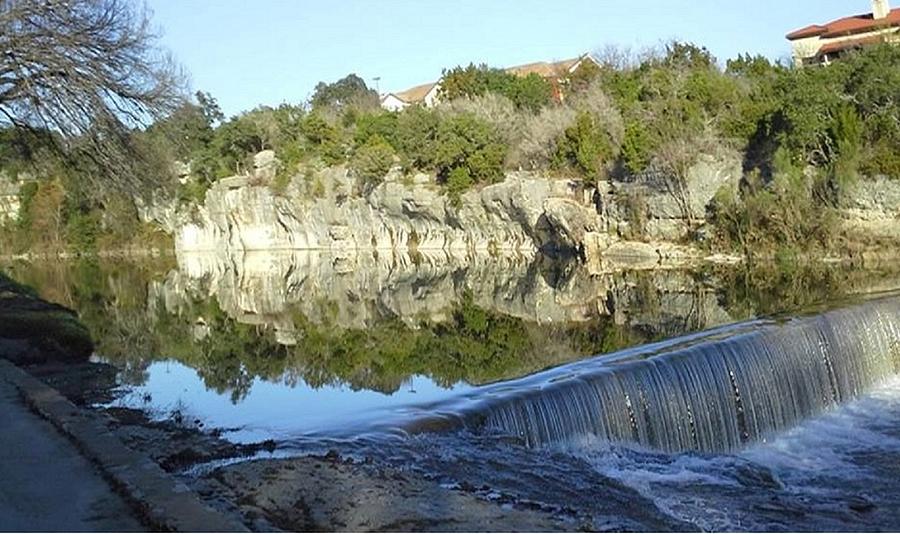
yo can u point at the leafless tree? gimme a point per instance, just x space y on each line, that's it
88 71
672 164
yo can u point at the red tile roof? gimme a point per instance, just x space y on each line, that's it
847 26
848 44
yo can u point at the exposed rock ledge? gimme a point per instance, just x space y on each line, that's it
525 213
393 216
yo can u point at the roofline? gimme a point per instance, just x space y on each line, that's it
821 30
876 26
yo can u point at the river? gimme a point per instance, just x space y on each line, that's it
730 398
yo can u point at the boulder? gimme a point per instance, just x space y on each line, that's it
265 166
566 222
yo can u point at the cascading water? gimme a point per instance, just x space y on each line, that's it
713 395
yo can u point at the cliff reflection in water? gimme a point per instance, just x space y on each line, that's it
373 322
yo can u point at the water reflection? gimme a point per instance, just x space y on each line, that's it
308 322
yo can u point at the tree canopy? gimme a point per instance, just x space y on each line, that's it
351 90
88 71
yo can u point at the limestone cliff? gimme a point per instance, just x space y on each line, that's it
396 215
525 213
872 208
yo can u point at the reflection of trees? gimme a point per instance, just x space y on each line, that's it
765 289
473 344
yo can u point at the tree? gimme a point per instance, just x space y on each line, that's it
530 92
372 161
87 70
585 146
350 91
466 141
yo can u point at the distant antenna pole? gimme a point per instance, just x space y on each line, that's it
377 85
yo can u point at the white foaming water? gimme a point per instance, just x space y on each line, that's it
833 440
809 473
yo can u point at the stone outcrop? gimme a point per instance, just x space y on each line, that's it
526 213
872 208
399 215
666 217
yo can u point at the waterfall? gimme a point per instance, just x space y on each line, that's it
714 394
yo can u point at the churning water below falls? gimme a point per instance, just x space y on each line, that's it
788 424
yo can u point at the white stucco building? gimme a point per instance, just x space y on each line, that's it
822 43
425 94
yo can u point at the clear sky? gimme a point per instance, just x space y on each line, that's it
274 51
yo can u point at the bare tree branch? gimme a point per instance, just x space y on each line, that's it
89 71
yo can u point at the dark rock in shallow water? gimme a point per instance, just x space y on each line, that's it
33 330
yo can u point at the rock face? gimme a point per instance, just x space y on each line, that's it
873 208
326 213
526 213
666 218
9 199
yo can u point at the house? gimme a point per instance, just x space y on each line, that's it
822 43
428 94
425 94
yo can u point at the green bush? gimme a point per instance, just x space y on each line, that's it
382 124
416 136
584 146
464 141
458 181
372 161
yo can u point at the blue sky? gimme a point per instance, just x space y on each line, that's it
273 51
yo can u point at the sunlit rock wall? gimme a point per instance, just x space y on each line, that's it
397 215
9 199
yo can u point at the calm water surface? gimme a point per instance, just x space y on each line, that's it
276 345
317 352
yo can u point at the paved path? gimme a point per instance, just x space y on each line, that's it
45 484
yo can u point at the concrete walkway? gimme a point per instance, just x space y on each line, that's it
45 483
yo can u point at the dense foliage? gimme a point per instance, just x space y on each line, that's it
806 135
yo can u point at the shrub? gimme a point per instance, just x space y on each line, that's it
465 141
496 110
458 181
785 214
530 92
324 138
540 133
595 102
415 137
637 147
382 124
372 161
585 146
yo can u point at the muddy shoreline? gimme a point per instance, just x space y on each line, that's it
317 492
